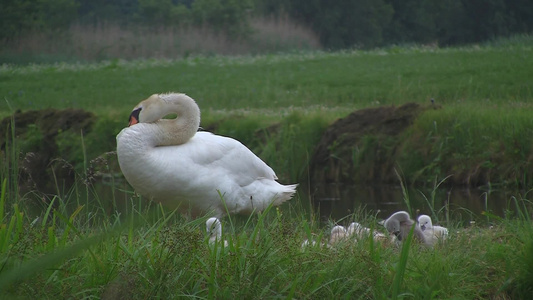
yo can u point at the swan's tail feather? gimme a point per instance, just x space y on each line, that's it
286 194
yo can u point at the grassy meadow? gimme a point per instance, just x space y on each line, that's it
78 245
483 127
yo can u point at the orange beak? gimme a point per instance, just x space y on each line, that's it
133 120
134 116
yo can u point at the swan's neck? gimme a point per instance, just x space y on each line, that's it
218 232
181 129
215 233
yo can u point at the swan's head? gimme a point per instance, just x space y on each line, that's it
338 230
355 228
160 105
393 223
425 222
213 227
148 110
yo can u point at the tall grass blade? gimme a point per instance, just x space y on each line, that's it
405 192
69 224
48 210
3 199
402 264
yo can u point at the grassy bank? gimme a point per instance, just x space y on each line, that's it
476 144
151 252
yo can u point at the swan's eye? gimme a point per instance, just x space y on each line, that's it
134 116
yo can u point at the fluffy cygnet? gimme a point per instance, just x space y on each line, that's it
433 234
400 224
214 229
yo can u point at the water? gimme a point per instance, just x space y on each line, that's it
336 201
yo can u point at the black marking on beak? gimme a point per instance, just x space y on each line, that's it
423 227
134 116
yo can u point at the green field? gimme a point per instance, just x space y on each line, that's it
79 248
485 93
483 77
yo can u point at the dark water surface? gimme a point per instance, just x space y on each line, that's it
336 201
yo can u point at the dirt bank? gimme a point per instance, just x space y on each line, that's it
362 146
38 151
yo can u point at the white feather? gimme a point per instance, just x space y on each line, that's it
432 233
214 229
169 162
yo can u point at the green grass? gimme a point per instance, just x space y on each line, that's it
155 253
489 76
473 145
79 245
480 136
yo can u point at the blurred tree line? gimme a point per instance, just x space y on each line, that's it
339 24
371 23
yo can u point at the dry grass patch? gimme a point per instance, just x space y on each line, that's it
112 41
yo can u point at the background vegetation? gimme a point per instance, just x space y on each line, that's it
480 135
84 30
384 22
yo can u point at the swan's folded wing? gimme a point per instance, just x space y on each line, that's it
214 151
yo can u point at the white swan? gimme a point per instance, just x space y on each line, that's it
432 233
168 161
400 224
214 229
360 232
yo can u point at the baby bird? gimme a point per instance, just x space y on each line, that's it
360 232
338 234
400 224
214 229
313 244
432 233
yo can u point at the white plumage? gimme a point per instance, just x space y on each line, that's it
214 229
360 232
338 234
433 234
400 224
168 161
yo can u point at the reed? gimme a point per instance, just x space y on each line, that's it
468 143
106 40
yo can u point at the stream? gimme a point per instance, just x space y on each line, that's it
338 201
